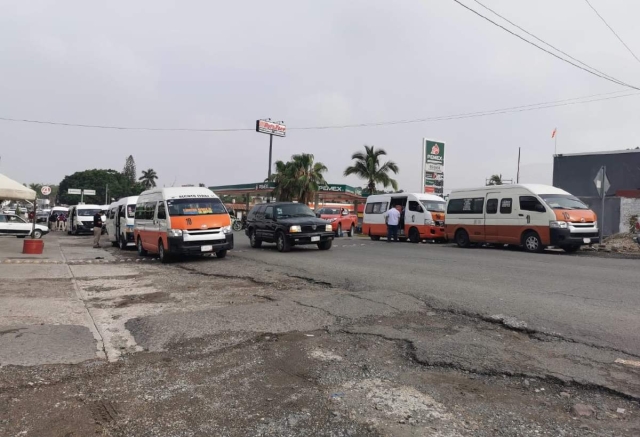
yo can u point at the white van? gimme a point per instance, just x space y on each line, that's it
422 217
532 216
80 219
182 220
120 221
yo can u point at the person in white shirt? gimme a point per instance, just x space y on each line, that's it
392 218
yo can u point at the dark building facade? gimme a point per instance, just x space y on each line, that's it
575 173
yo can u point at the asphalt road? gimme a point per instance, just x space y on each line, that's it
584 298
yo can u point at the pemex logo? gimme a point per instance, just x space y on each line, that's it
435 150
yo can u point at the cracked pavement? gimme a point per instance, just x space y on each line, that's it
365 339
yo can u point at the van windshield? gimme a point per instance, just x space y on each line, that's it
87 212
198 206
434 206
563 201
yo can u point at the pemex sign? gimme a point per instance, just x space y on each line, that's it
432 166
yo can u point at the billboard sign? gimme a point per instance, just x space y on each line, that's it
433 166
271 128
90 192
74 191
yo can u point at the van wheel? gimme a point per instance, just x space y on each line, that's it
352 231
122 242
162 254
221 253
462 238
141 250
531 242
414 235
374 237
253 240
282 243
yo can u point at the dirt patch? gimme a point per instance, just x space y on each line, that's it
136 299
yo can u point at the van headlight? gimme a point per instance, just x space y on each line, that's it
328 228
558 225
226 229
429 222
294 229
174 232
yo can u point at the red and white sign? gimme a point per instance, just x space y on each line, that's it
435 150
271 128
429 190
45 190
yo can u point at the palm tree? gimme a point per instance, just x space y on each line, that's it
308 175
495 179
148 178
367 166
298 179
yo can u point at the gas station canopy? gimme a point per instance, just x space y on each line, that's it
327 193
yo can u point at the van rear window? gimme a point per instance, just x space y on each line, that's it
469 205
376 207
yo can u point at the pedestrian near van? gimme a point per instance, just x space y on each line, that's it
53 221
97 229
392 218
61 220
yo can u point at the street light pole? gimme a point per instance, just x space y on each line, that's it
270 155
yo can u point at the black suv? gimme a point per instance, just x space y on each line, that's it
287 224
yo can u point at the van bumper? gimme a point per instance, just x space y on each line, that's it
434 233
178 246
564 237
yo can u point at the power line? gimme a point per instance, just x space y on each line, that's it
613 31
606 77
512 109
546 43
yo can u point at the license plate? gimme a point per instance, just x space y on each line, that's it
316 238
586 240
206 248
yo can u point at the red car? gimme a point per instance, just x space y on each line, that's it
341 220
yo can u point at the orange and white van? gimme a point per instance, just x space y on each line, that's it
532 216
181 220
422 218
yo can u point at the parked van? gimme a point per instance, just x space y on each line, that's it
181 220
422 217
80 219
532 216
120 220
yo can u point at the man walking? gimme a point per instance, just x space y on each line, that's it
392 218
97 229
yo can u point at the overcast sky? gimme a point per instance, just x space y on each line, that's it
222 64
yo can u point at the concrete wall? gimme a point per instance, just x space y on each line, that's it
628 208
575 173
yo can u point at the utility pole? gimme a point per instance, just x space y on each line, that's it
106 195
518 175
604 193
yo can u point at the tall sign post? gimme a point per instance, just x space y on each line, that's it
272 128
432 178
602 184
81 193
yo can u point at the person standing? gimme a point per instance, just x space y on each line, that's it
392 218
53 221
60 224
97 229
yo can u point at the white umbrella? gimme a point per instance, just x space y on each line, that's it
12 190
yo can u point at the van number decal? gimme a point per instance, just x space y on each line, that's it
528 219
188 221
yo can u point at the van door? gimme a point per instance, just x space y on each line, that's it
491 218
532 214
415 215
509 230
161 224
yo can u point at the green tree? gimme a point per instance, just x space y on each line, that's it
367 166
298 179
36 188
148 178
129 170
96 179
495 179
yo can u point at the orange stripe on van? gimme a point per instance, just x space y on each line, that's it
197 222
